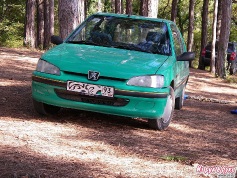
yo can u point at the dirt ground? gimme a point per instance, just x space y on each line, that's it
76 143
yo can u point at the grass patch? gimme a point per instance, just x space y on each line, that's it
195 63
174 158
232 79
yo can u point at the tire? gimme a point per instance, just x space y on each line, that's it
163 122
179 102
45 109
233 68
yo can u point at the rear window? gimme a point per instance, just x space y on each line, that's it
209 46
231 46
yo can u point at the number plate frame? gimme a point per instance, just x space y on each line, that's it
90 89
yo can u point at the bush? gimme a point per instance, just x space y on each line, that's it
11 34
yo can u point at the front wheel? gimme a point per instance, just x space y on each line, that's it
163 122
233 67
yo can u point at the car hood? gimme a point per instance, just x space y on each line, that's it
111 62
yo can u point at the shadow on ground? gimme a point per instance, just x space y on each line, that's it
203 133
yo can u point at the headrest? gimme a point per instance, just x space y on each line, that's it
153 36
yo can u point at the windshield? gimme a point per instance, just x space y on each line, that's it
125 33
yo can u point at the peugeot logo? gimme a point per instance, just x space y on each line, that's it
92 75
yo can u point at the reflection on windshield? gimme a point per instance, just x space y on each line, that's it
126 33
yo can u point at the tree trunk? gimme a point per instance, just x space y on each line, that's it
122 7
99 6
118 6
144 8
181 21
81 8
2 11
204 31
219 17
153 8
129 7
85 8
29 29
51 16
214 24
174 10
68 17
113 5
191 27
40 24
224 38
48 22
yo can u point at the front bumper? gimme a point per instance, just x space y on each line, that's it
125 102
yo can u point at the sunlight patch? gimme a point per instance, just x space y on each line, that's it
184 128
14 83
65 142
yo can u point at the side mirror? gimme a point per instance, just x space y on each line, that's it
186 56
56 40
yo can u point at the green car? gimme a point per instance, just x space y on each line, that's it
122 65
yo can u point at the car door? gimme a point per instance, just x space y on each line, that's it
181 68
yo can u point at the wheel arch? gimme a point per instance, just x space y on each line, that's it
172 84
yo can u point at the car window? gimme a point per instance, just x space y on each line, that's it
127 33
231 46
178 45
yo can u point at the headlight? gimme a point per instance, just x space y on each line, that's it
43 66
153 81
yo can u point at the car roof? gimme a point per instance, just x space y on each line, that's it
135 17
231 45
235 43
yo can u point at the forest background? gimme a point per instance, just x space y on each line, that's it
193 17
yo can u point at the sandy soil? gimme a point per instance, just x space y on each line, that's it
76 143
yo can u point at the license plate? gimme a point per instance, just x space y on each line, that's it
90 89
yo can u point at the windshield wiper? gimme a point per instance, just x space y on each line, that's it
83 42
88 43
122 46
131 47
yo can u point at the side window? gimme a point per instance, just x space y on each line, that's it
178 45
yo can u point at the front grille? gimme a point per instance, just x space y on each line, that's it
100 77
74 96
